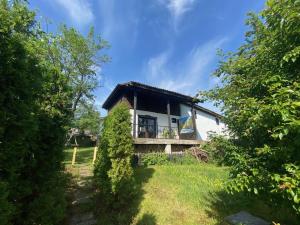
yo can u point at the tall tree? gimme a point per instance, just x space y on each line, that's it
88 118
80 61
260 98
34 99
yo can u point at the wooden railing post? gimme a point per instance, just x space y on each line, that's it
134 114
169 119
193 112
74 156
95 154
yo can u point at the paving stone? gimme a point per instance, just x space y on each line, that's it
245 218
83 219
82 198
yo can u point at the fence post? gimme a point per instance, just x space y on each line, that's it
95 154
74 156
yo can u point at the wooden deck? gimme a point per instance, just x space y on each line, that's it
158 141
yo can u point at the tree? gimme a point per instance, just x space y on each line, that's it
88 118
79 60
113 172
34 99
260 98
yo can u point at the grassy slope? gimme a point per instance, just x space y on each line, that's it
190 195
177 194
182 194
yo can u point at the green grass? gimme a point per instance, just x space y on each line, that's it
84 159
190 195
183 194
84 155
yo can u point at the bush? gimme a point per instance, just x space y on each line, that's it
34 105
222 150
154 158
158 158
113 171
183 159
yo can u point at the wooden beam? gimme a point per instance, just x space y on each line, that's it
194 121
169 118
134 113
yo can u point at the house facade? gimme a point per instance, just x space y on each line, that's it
164 118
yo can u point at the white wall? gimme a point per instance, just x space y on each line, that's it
205 122
162 120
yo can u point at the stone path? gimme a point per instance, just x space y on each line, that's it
245 218
81 208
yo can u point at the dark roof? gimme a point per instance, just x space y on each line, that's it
140 86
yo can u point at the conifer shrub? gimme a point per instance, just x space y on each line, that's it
34 112
113 173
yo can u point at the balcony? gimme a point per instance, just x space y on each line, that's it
157 134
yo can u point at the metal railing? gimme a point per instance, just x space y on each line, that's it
156 131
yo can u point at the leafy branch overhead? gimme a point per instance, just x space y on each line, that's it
260 97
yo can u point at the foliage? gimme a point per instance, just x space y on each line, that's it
222 150
87 118
154 158
260 98
113 170
185 159
35 102
168 133
78 59
158 158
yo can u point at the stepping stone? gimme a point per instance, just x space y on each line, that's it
83 219
245 218
82 197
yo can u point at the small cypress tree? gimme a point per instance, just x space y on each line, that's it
113 170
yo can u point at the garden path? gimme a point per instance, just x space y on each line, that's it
81 197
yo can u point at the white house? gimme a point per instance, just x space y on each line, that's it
163 117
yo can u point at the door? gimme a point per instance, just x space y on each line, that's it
147 127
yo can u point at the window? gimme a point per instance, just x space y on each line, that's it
217 121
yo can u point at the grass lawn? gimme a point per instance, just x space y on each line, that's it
190 195
182 194
84 155
84 159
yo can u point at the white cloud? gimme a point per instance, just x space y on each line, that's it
79 11
188 75
178 8
156 65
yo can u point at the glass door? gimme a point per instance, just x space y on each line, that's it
147 127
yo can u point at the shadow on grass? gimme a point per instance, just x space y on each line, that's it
147 219
222 204
126 215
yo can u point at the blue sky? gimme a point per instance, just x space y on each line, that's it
166 43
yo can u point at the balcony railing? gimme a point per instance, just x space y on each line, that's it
156 131
162 132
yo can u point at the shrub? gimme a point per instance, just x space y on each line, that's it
113 171
33 113
159 158
222 150
183 159
154 158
